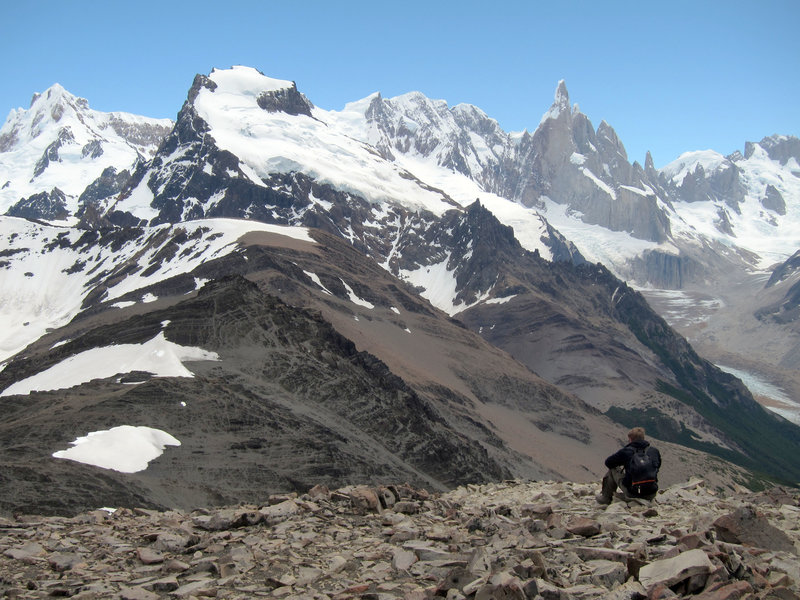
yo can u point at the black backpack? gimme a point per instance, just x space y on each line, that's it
643 473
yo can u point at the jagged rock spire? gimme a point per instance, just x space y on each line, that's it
649 165
562 96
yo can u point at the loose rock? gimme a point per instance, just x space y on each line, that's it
516 540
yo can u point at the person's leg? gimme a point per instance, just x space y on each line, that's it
610 482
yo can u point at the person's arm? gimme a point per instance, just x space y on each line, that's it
618 459
656 458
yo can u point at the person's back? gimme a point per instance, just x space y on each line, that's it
633 468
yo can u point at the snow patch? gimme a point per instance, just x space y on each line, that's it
599 182
688 162
315 278
504 300
126 448
640 192
159 356
354 298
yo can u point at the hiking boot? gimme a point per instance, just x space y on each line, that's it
601 499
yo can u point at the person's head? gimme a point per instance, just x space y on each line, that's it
636 434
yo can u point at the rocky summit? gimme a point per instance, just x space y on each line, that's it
542 539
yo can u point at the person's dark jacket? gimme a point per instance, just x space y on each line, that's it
622 457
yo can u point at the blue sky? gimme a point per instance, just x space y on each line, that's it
668 76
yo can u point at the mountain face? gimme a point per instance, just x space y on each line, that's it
786 310
687 211
317 366
52 151
565 160
306 265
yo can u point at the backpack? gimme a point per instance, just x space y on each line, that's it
643 473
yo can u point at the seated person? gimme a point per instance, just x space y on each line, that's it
633 468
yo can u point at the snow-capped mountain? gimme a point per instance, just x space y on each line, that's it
745 202
379 202
662 228
306 168
59 154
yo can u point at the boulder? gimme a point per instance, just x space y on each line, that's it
746 526
670 571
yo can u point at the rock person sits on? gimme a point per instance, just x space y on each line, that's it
633 468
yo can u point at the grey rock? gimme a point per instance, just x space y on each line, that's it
403 559
165 584
773 200
327 550
27 553
584 526
204 587
406 507
670 571
279 512
64 561
137 593
171 542
364 500
746 526
148 556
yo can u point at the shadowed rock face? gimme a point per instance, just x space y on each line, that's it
787 310
287 100
44 205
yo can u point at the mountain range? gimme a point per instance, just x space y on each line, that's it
399 289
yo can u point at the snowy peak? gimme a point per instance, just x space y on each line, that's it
47 110
51 151
568 162
420 133
784 149
56 109
239 86
246 81
57 102
561 96
610 140
702 161
560 104
748 201
249 146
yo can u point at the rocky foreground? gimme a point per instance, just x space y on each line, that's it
547 540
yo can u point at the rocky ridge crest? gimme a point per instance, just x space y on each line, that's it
543 540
